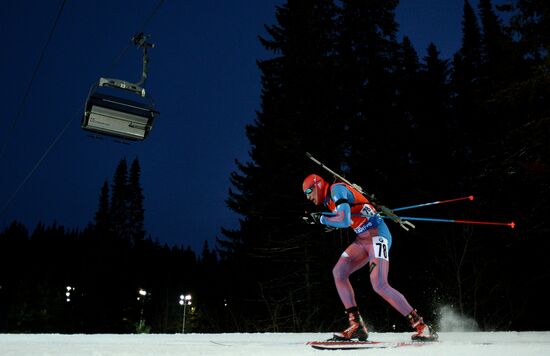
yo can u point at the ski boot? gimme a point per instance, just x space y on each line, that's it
356 330
424 332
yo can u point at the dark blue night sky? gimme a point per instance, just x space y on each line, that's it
202 76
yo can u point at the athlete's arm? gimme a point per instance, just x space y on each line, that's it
341 218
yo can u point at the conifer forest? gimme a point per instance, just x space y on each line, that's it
404 123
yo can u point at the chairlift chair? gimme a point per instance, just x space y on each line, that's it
112 114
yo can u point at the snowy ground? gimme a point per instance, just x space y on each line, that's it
450 344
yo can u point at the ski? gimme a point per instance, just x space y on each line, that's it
356 345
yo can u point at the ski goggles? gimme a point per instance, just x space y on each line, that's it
309 190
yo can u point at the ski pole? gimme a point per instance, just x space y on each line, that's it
470 197
511 224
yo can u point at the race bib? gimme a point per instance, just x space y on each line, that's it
368 210
381 248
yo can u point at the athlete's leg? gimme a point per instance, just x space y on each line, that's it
379 281
377 243
353 258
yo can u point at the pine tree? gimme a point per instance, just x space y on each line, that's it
470 50
465 83
433 125
368 57
102 219
493 39
119 203
521 166
14 269
409 100
501 64
109 254
531 23
136 212
272 247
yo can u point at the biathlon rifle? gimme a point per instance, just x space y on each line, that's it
384 210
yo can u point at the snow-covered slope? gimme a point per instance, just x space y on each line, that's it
276 344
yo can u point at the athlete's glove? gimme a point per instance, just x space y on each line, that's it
312 218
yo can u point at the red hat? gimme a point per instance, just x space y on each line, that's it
315 181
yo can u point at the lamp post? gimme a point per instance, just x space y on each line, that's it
68 293
142 293
185 300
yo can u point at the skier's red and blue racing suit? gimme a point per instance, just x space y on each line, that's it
372 244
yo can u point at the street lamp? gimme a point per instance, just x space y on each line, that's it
68 293
185 300
142 293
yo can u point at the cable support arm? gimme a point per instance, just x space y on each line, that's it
140 40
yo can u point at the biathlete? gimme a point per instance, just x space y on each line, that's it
371 246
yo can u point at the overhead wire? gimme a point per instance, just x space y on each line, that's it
140 29
31 82
67 125
37 164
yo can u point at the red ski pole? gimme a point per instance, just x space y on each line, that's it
511 224
470 197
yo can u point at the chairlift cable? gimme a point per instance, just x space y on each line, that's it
33 77
140 29
37 164
151 15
